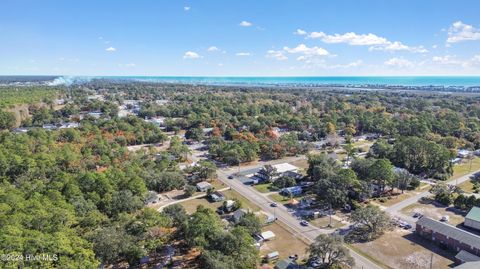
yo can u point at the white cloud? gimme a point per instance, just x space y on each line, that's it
460 31
111 49
307 51
277 54
434 46
243 54
375 42
186 8
191 55
350 38
300 32
399 63
245 24
220 64
446 59
212 48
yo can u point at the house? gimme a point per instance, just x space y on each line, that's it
268 235
285 167
286 264
49 127
217 196
95 114
448 236
203 186
237 215
472 219
463 153
68 125
292 191
292 174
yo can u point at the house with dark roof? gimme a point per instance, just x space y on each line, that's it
448 236
472 219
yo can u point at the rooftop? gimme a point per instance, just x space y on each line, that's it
450 231
474 214
284 167
465 256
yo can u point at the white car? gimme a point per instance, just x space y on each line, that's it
445 218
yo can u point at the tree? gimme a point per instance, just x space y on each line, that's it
251 222
372 218
194 134
403 179
270 172
350 150
7 120
284 182
330 251
444 193
321 166
381 149
177 213
381 172
335 189
189 190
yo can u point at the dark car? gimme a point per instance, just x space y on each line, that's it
230 177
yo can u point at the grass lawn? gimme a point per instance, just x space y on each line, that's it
435 212
324 221
191 205
467 186
402 249
391 200
231 194
464 168
264 188
285 242
280 198
302 164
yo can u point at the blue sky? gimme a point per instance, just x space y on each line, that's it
240 38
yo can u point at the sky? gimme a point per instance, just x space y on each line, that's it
240 38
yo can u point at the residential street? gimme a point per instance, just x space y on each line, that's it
281 212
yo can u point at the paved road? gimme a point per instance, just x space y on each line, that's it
263 202
394 210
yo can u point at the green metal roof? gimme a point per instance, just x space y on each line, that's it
474 214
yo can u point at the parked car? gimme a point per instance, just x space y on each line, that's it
304 223
273 205
445 218
230 177
417 215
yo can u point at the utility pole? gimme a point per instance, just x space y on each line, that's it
431 260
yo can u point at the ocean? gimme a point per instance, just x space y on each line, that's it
348 81
445 81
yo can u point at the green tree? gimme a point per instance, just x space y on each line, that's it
372 218
330 251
